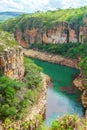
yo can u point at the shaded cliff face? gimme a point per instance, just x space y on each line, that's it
59 33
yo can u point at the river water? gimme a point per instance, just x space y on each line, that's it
62 97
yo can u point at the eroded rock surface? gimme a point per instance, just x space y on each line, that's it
11 62
62 32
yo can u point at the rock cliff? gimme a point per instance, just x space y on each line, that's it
59 26
11 56
11 63
79 83
62 32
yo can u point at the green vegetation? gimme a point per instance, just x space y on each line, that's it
7 40
67 122
70 50
83 65
46 20
8 101
15 95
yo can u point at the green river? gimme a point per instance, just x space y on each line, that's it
62 97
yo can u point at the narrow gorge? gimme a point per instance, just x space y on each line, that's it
43 71
78 81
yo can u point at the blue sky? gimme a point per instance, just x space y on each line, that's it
35 5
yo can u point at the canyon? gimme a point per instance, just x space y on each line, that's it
12 66
11 59
78 81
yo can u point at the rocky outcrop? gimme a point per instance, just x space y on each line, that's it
84 99
79 83
11 62
51 58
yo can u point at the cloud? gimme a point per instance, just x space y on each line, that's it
73 3
34 5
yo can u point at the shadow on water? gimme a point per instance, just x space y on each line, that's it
63 97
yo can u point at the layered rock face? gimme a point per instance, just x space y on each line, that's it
59 33
11 63
79 83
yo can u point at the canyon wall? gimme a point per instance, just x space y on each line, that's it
62 32
11 62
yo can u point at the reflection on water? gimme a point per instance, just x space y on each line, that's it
58 104
63 97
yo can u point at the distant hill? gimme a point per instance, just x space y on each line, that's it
6 15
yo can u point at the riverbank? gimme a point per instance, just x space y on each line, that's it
78 81
57 59
34 114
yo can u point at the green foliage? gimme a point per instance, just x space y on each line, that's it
83 65
68 122
56 125
32 75
8 101
15 95
46 20
7 40
71 50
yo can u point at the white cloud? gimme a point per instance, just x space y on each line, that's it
73 3
34 5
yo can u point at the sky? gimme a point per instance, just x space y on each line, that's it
31 6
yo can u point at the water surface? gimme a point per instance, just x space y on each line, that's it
63 97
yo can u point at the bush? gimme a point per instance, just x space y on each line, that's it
33 78
15 95
71 50
83 65
68 122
